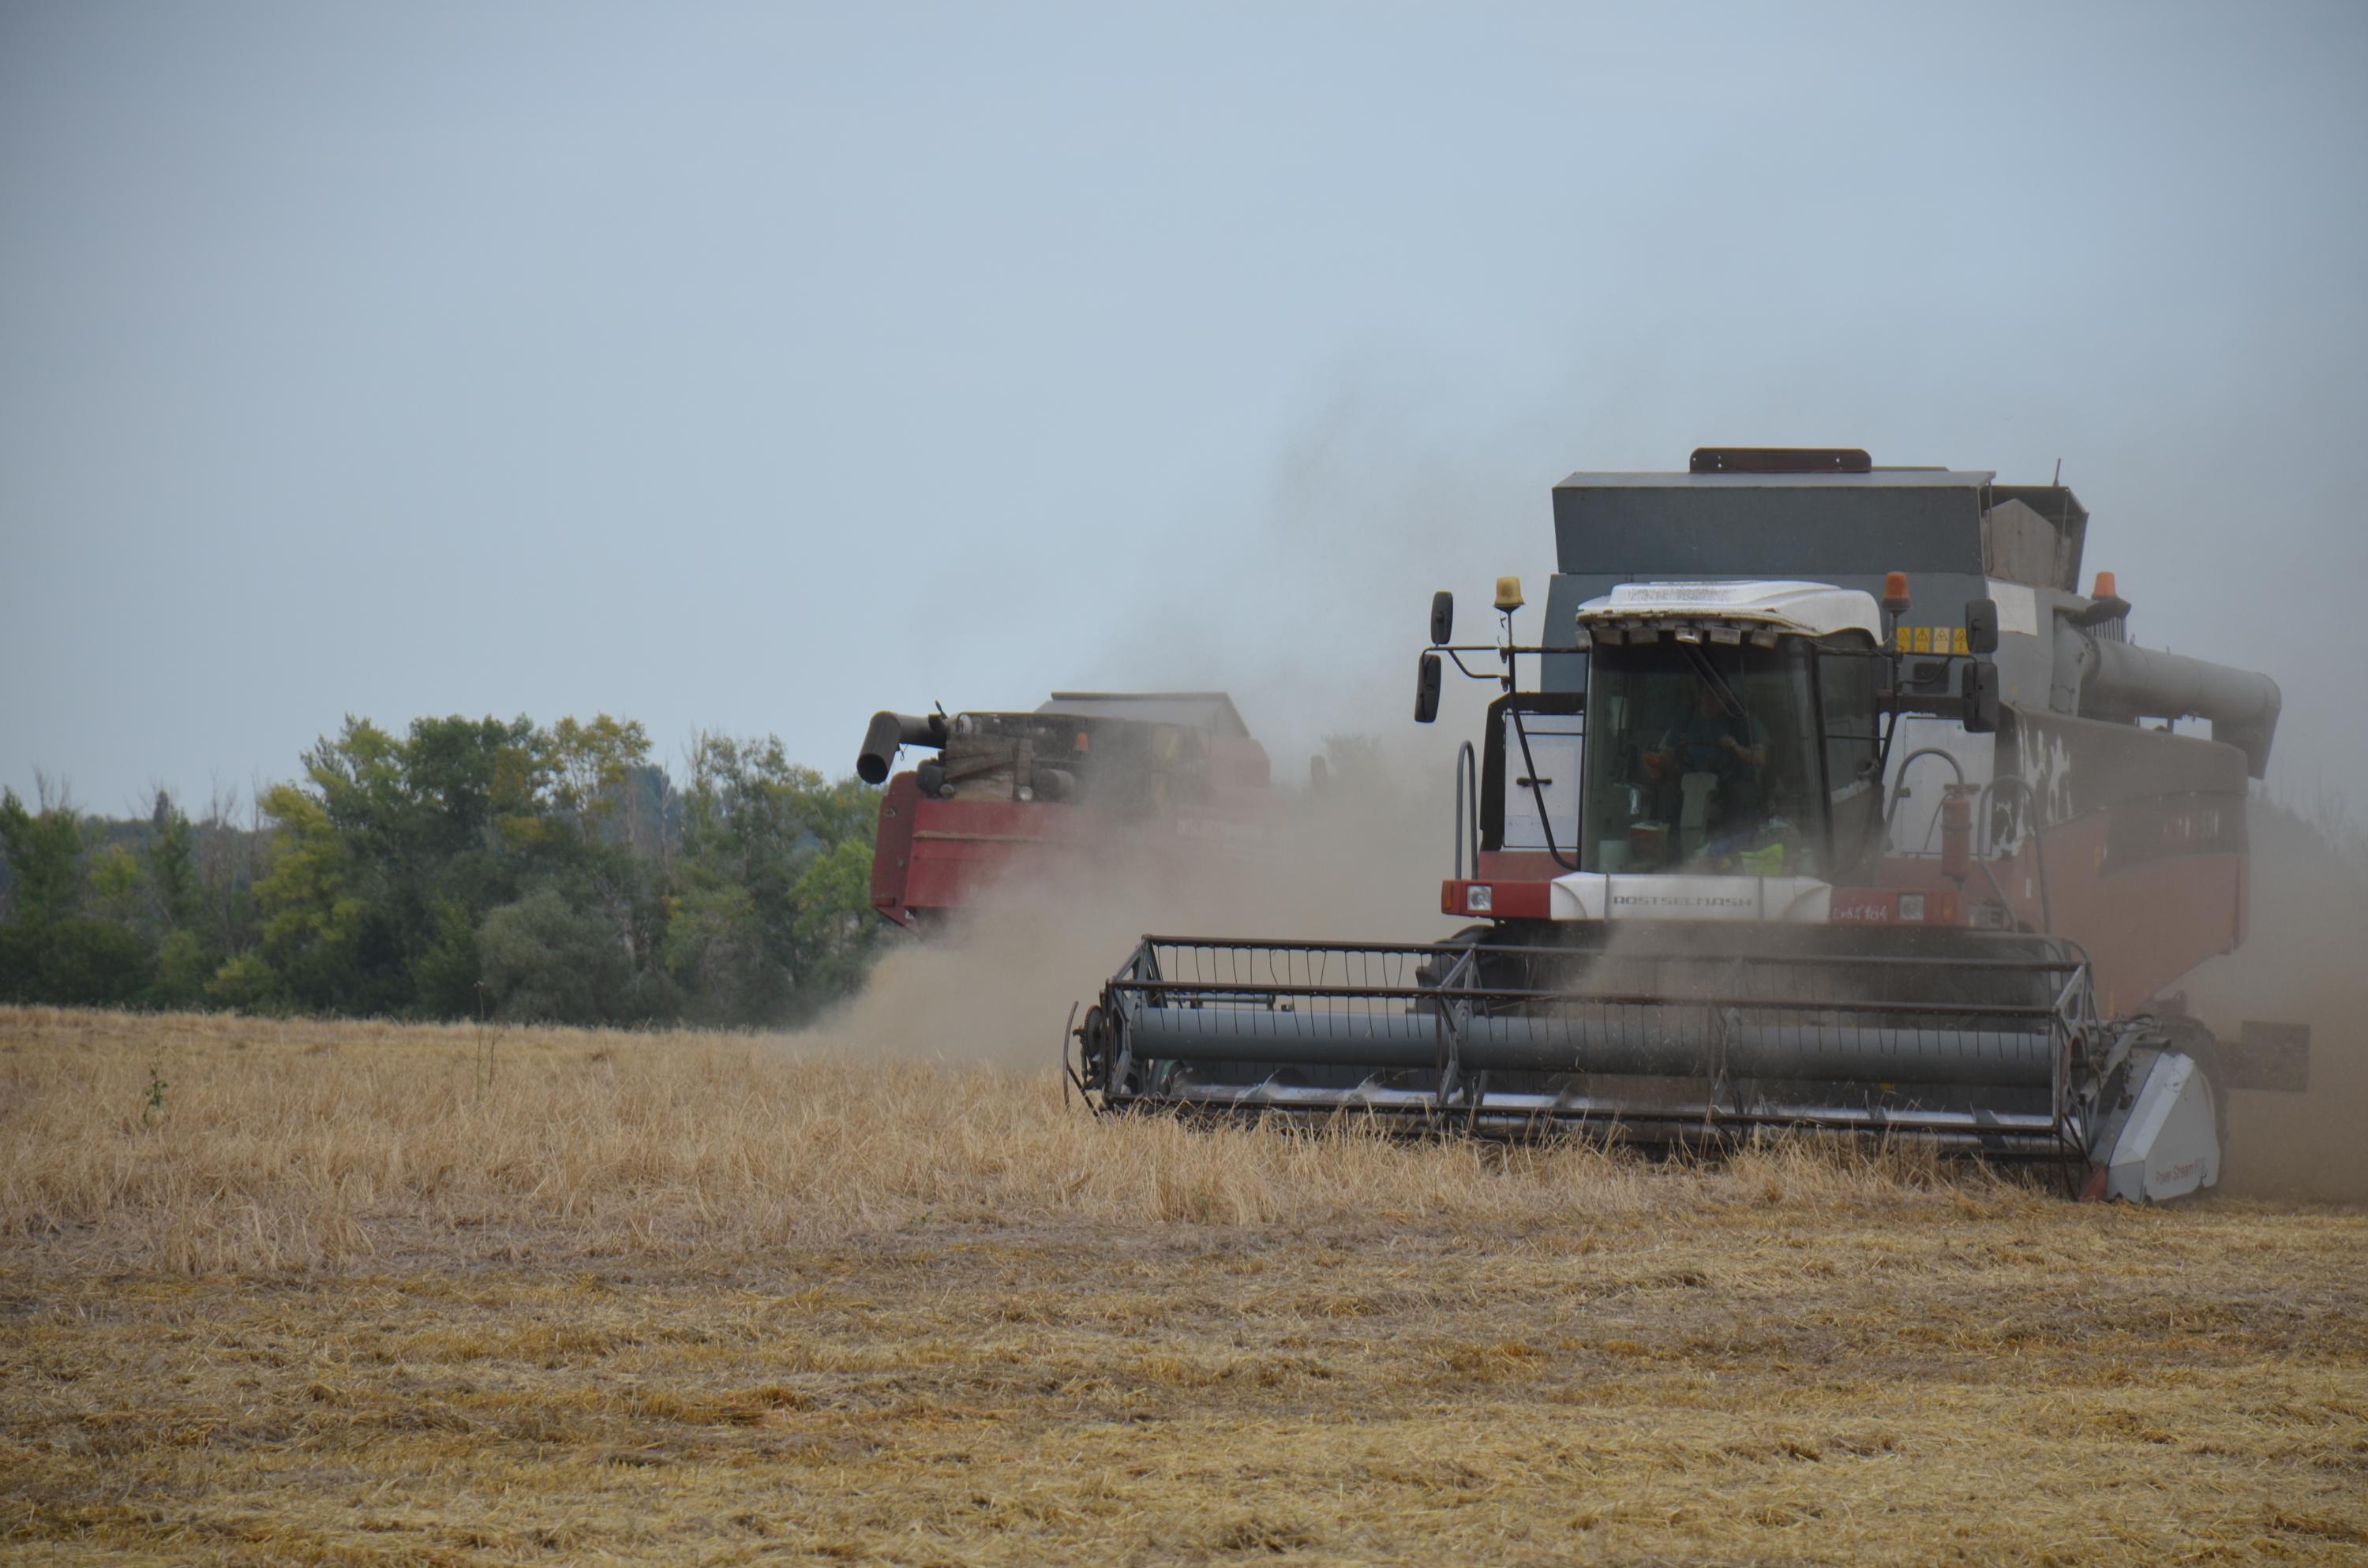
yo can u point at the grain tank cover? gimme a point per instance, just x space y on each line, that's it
1213 711
1957 534
1826 527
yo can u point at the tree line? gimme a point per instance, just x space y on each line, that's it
469 867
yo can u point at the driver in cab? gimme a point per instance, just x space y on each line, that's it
1718 737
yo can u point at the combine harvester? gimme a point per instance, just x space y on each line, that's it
1019 805
1832 804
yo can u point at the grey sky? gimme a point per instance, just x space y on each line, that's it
755 368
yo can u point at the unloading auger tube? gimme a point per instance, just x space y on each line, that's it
2000 1055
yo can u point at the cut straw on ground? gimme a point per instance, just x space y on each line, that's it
381 1295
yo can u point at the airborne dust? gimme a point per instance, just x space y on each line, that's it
2305 961
1358 859
1361 860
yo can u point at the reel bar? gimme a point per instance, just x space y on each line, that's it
1456 949
1250 991
1601 1108
1577 1038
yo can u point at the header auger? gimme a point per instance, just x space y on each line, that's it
1830 803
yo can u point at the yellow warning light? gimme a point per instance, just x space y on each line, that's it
1509 594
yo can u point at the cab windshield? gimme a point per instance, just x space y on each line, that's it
1704 756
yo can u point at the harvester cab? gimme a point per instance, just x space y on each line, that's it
1825 800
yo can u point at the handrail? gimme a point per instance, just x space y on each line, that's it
1467 768
1899 791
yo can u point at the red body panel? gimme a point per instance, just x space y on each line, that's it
1516 865
2145 924
1898 905
1507 900
2148 900
952 851
936 856
892 848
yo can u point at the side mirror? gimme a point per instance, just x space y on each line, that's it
1426 689
1442 618
1977 690
1981 626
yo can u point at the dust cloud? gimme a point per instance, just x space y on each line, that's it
2305 961
1359 859
1315 633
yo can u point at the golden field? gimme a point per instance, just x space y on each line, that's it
383 1294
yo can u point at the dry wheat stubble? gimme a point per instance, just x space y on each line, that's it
349 1297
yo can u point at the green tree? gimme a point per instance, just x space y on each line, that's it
387 856
173 866
393 853
44 850
715 951
228 860
313 909
590 765
113 879
593 768
50 951
246 984
795 853
551 872
837 931
183 968
546 961
447 973
76 963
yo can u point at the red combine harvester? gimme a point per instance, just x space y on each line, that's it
1019 803
1829 802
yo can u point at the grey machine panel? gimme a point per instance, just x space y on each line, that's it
1843 528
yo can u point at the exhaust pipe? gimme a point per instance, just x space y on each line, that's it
890 730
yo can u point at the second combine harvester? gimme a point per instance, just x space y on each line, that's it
1830 803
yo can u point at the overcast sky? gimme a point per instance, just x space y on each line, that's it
755 368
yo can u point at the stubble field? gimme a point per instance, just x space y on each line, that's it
377 1294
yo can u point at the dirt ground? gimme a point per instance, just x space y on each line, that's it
526 1314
